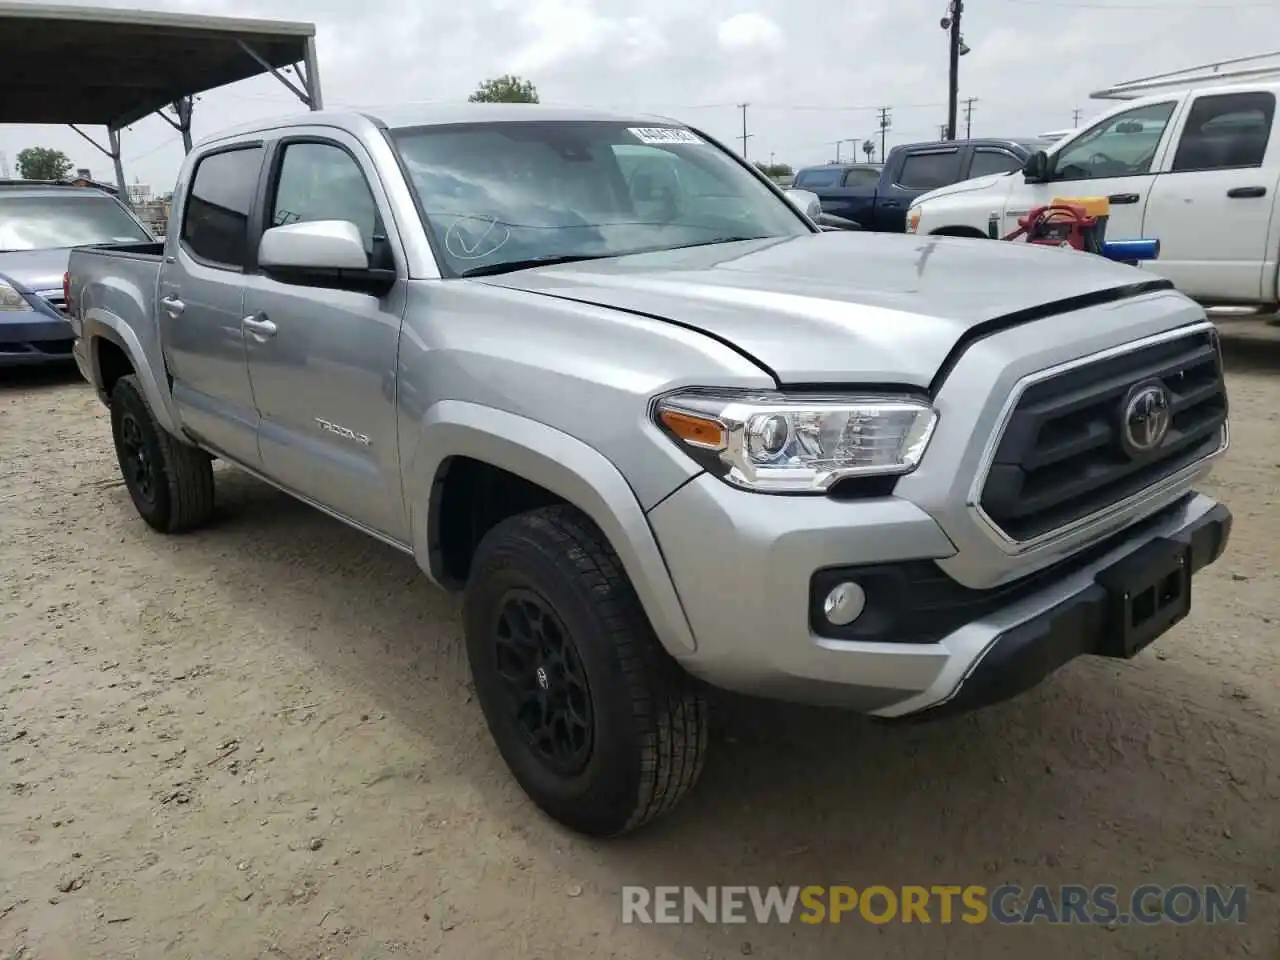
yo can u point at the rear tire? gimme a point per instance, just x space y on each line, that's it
612 732
170 482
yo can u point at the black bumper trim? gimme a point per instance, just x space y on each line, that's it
1022 656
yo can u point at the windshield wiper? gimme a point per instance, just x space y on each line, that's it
508 266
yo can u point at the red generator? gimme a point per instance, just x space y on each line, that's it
1076 222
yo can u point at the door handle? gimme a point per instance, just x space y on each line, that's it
1246 193
172 305
259 326
1121 198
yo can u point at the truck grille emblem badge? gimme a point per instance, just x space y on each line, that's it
1146 418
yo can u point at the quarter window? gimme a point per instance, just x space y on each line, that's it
215 224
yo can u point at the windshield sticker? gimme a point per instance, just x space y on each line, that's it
661 136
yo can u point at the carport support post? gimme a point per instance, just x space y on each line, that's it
316 100
113 138
182 107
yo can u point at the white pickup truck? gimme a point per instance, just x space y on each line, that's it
1198 170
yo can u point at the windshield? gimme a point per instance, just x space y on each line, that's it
42 223
504 194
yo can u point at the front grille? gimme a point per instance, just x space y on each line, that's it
1064 456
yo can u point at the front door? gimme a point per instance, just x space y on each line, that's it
1212 210
201 294
322 361
1114 158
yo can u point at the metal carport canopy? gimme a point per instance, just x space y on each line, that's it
112 67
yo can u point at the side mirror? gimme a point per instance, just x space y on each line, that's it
322 253
806 202
1036 169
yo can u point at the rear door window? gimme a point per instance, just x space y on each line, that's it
215 223
927 171
826 177
862 177
1225 132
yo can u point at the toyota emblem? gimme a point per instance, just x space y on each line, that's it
1146 418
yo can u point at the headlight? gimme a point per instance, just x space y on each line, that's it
11 301
913 220
792 444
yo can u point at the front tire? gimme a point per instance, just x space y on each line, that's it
170 482
600 727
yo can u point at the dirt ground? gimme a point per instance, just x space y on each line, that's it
258 741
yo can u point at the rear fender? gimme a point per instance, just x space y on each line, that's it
563 465
99 325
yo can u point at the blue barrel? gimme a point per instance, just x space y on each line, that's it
1131 250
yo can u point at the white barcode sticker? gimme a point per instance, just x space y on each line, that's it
658 136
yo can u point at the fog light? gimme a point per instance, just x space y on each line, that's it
844 604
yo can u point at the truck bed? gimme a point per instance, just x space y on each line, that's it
115 285
143 250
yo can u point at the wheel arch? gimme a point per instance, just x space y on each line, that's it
566 468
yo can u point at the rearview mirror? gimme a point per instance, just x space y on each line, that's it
321 253
1036 169
806 202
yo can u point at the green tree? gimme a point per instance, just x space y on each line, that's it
505 89
869 149
774 170
43 163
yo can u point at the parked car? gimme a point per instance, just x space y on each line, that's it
660 444
39 223
1198 170
877 196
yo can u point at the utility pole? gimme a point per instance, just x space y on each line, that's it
1075 117
968 117
886 121
953 93
745 136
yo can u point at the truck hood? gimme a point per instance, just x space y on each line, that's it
835 307
30 271
990 182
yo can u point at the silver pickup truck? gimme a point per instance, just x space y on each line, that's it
600 375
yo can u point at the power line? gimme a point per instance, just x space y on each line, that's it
968 117
886 121
745 136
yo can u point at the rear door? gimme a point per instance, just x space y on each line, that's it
324 372
1211 209
921 170
853 196
201 293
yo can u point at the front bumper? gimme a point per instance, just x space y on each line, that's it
35 339
751 611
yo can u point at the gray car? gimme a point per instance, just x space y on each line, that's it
39 223
660 429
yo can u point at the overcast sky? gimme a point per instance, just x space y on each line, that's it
813 71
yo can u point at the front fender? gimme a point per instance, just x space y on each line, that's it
568 468
102 325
